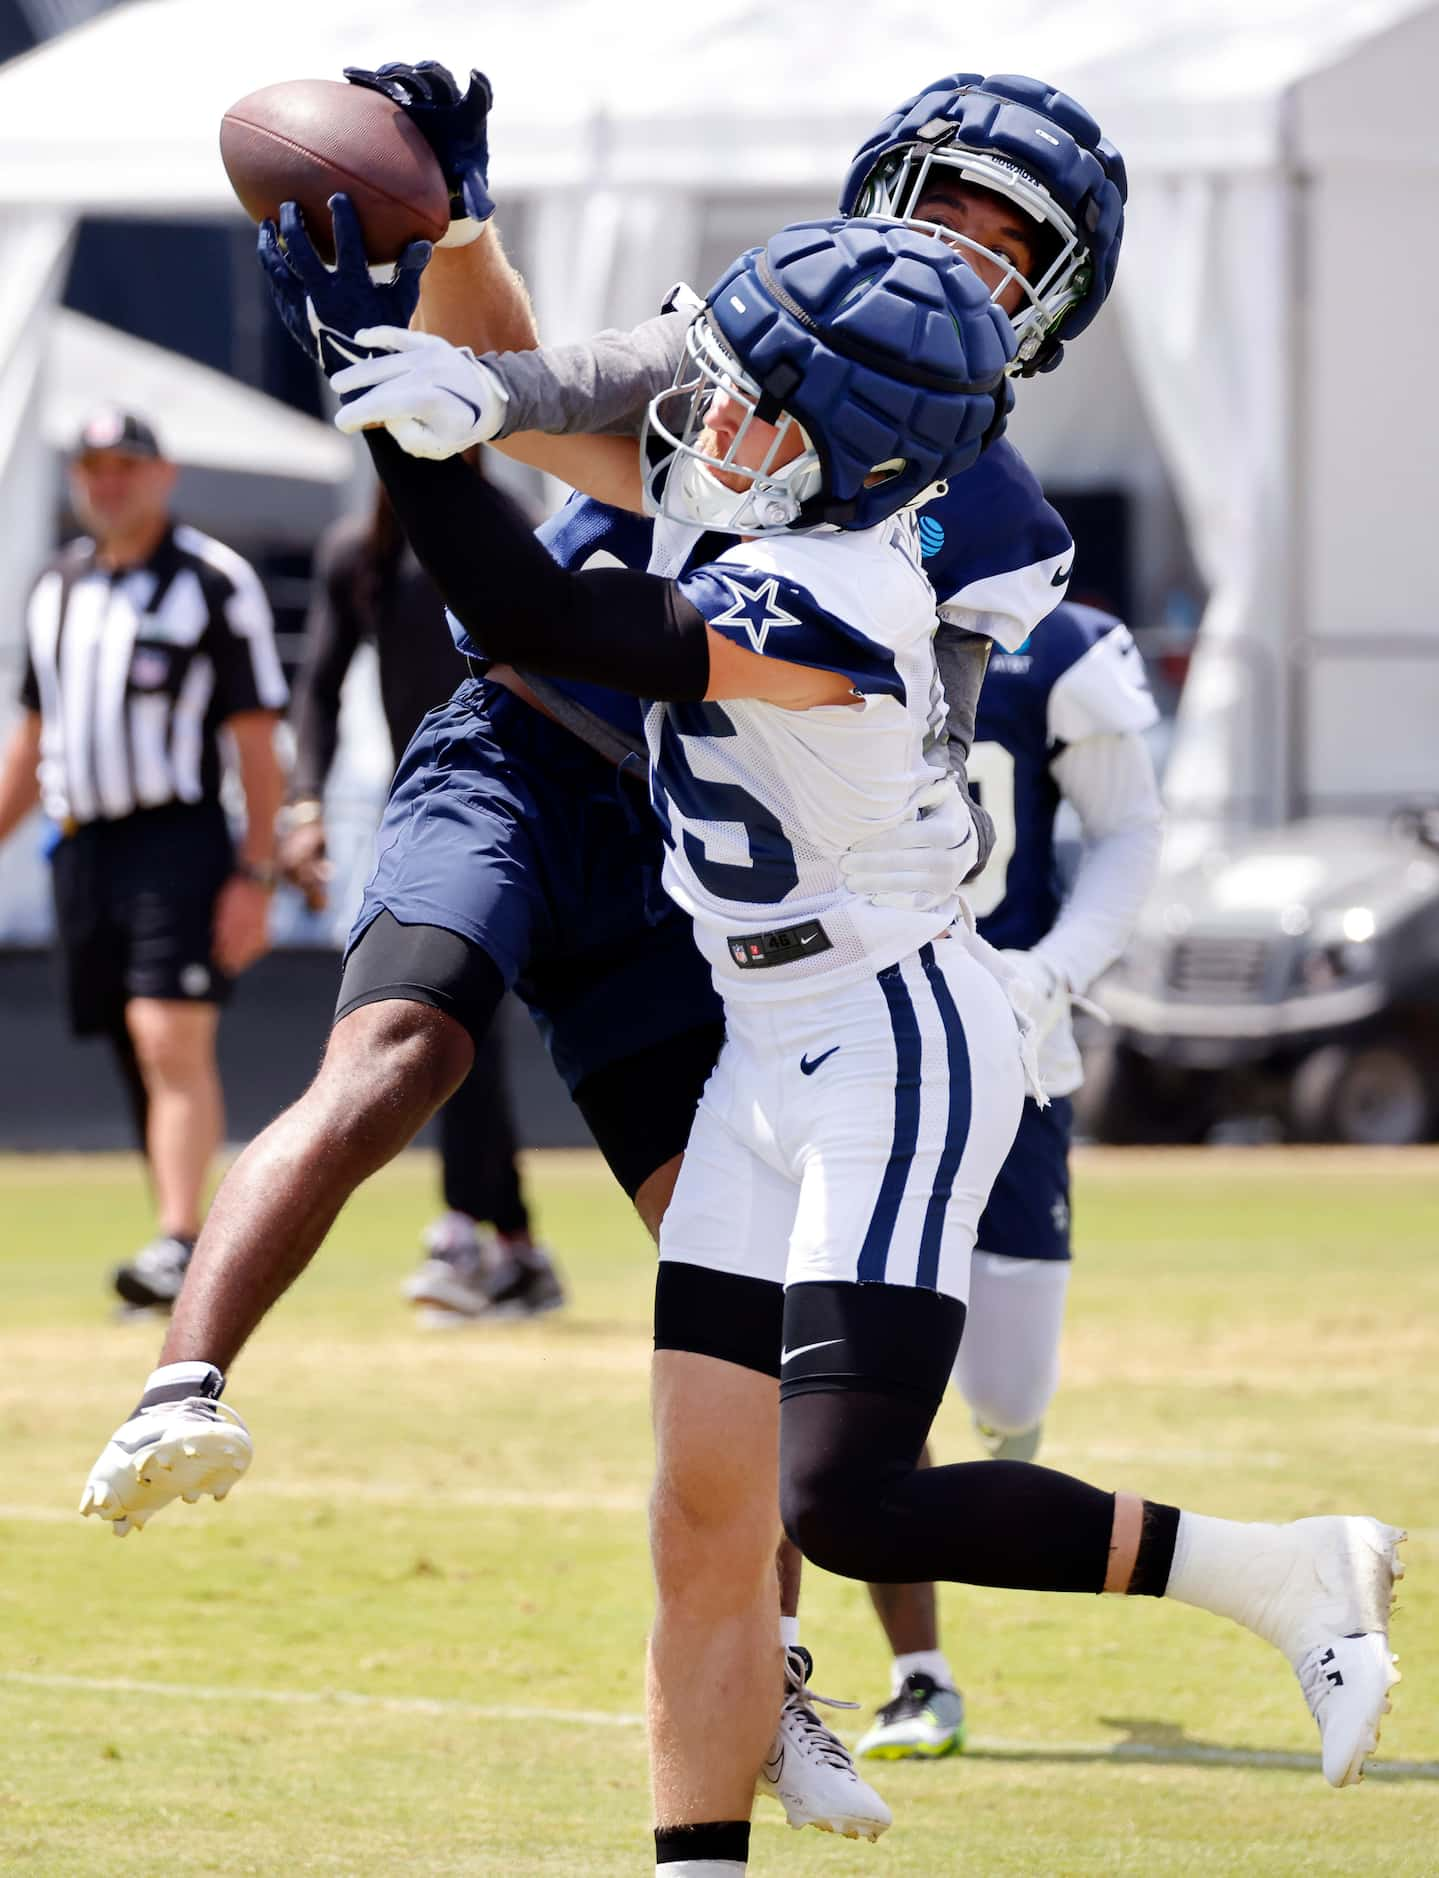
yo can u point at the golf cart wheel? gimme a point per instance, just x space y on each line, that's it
1376 1094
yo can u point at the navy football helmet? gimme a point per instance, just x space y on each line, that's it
875 352
1031 144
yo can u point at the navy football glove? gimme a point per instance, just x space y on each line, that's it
323 307
456 128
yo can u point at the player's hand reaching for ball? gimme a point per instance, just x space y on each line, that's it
324 307
180 1442
456 127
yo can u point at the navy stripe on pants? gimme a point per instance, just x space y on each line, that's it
874 1253
956 1129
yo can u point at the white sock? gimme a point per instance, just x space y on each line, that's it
702 1868
1213 1569
931 1663
789 1632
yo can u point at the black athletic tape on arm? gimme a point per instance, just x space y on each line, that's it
633 631
719 1314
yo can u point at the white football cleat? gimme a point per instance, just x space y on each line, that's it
176 1450
1323 1590
810 1771
453 1278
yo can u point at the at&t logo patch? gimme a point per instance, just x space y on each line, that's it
931 536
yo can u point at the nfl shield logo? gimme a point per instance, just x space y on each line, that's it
149 670
739 954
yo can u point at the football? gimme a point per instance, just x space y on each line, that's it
313 138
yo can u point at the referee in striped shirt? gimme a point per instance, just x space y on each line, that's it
146 640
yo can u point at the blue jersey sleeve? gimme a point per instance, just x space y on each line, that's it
766 612
1091 676
584 529
996 553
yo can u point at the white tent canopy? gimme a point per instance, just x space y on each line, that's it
732 94
1280 153
204 417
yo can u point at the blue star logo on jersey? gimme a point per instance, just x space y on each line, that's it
757 609
931 536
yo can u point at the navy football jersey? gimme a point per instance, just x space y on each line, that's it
1079 675
997 554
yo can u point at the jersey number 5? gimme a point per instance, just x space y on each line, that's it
991 780
770 873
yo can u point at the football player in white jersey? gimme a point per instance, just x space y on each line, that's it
870 1085
815 1259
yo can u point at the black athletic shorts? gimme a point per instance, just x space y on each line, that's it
134 911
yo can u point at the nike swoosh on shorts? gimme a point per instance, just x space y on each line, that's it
808 1065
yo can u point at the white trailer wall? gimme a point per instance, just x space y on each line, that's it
1367 650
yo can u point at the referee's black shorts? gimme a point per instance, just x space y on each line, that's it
134 911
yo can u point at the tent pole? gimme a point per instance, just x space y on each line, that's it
1293 777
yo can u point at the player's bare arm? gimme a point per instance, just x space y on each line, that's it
19 777
242 911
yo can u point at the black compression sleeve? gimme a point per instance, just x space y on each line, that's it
633 631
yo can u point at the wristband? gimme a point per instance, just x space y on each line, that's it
263 873
305 812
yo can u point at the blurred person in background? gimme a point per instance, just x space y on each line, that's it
146 639
370 589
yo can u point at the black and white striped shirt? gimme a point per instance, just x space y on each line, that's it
133 671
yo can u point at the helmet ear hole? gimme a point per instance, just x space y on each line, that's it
885 472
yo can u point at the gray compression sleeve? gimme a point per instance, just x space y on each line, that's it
962 658
604 385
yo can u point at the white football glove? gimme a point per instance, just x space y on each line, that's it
435 399
921 864
1043 994
176 1447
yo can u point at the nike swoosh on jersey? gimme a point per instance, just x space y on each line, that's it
808 1065
787 1356
1058 578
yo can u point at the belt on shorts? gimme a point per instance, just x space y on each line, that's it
783 945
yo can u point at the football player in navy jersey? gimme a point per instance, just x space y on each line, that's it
553 886
1061 719
517 847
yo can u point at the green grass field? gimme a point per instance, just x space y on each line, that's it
411 1642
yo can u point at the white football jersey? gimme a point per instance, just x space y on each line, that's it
758 803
